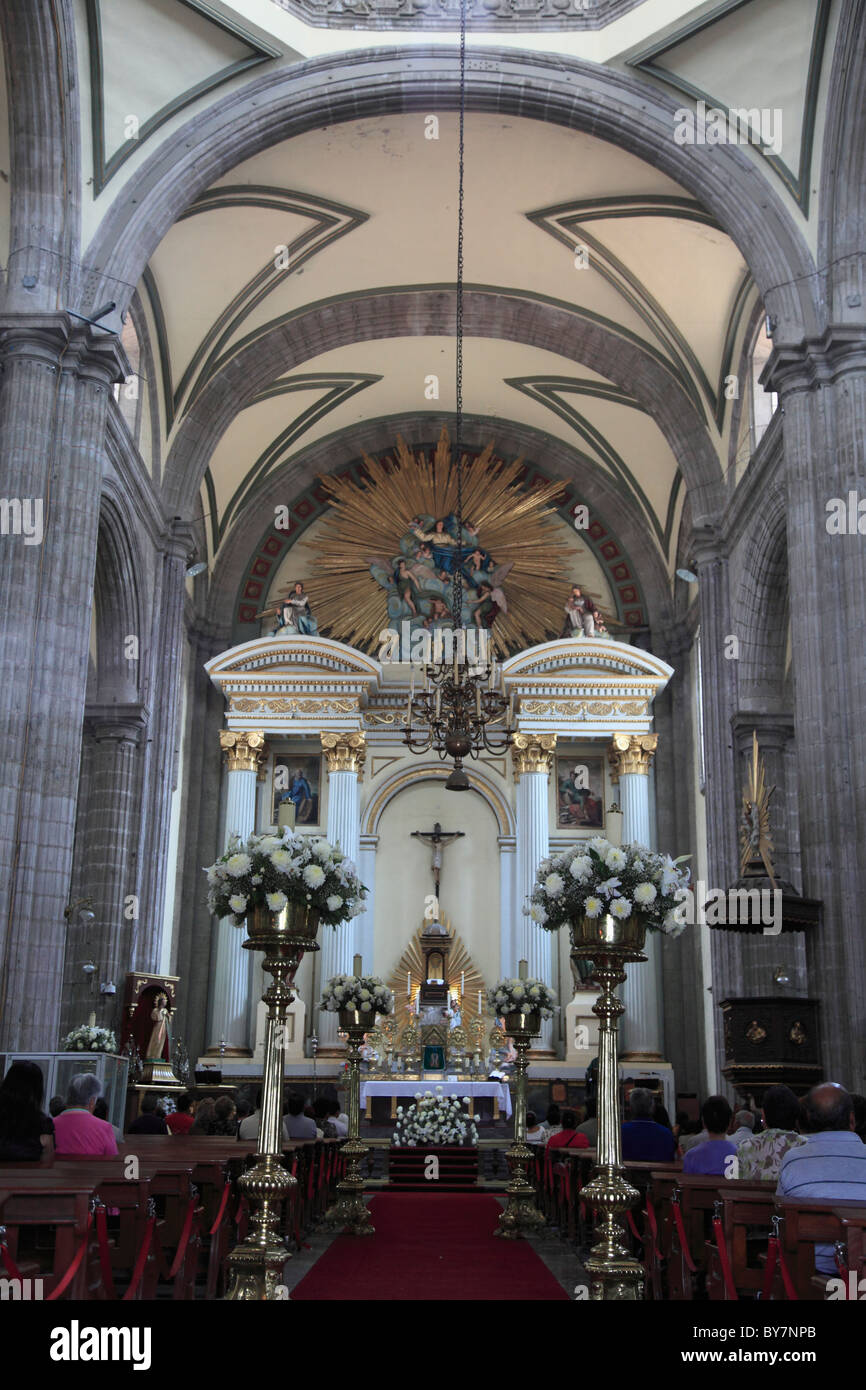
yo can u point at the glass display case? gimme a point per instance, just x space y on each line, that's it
58 1068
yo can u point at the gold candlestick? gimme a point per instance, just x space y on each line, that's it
256 1266
614 1272
520 1214
350 1210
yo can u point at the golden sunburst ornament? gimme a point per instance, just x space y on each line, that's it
756 843
388 552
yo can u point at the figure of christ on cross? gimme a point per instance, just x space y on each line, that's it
439 839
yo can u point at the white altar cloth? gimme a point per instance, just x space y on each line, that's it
495 1089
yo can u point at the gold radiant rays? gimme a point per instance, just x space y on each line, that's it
459 961
755 839
369 520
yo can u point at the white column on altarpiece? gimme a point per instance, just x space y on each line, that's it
364 939
344 753
533 754
510 918
641 993
229 1019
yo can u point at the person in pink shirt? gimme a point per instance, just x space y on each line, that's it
77 1130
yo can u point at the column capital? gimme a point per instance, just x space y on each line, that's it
244 749
631 753
816 362
57 341
532 753
344 750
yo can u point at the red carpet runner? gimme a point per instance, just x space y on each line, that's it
430 1247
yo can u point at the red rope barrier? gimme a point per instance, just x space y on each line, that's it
184 1239
9 1264
770 1266
633 1228
140 1262
221 1213
681 1232
73 1268
724 1258
790 1291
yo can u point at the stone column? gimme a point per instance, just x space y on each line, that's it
631 757
532 755
55 385
344 753
107 868
229 1022
822 388
364 939
510 916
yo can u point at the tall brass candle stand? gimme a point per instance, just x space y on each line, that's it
350 1210
256 1266
520 1214
614 1272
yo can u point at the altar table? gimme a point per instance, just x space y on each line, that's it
406 1090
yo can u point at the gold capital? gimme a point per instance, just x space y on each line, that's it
631 753
532 753
244 749
344 751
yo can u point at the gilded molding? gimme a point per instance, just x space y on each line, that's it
532 753
631 753
584 709
244 749
344 751
323 705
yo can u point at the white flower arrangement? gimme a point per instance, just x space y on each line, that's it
521 996
595 877
434 1119
89 1038
283 867
366 993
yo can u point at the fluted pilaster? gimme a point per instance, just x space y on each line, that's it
631 757
532 755
344 753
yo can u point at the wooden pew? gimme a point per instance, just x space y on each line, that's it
744 1207
854 1227
34 1195
805 1225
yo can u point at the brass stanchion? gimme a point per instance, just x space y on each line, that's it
521 1213
609 942
350 1210
256 1266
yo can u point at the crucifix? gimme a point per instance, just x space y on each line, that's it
439 839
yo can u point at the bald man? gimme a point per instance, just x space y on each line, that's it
832 1162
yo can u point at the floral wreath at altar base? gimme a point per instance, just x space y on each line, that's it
434 1119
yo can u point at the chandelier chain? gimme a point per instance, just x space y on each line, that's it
457 586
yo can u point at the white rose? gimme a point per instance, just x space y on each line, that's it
615 859
322 850
334 902
580 867
281 859
645 893
276 901
314 877
539 914
238 903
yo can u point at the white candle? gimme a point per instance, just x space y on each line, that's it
522 969
408 984
92 1020
479 1001
462 982
356 965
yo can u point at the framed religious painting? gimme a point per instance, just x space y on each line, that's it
580 791
297 782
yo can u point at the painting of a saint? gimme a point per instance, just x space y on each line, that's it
580 792
297 780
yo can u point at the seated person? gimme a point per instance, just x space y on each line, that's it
204 1116
589 1125
643 1140
148 1121
338 1119
77 1130
56 1106
26 1132
249 1127
832 1162
321 1109
100 1110
568 1137
183 1119
711 1156
225 1120
553 1120
859 1103
761 1154
535 1133
744 1126
296 1124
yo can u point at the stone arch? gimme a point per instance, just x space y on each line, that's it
118 607
610 105
761 607
553 456
44 124
435 771
420 311
842 224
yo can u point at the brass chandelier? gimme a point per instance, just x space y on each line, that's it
460 712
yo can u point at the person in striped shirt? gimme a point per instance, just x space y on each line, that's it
832 1162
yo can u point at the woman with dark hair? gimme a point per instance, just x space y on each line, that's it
205 1119
26 1132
